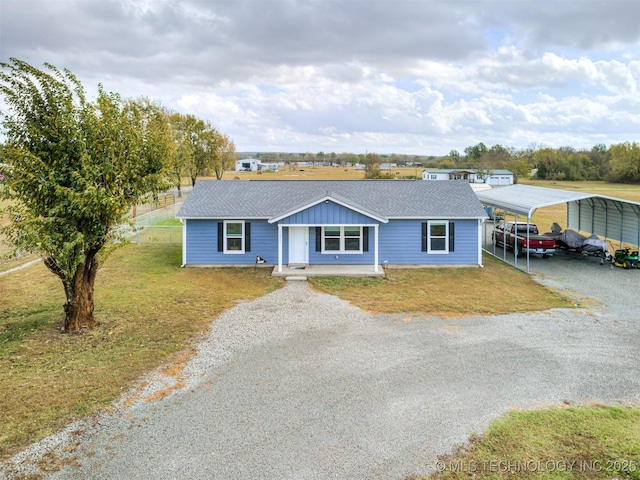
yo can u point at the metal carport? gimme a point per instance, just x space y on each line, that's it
612 218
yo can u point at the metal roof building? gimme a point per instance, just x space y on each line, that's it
608 217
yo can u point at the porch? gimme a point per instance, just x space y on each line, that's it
328 271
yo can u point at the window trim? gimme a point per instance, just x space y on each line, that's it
225 237
342 238
445 237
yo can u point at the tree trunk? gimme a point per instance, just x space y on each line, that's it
79 307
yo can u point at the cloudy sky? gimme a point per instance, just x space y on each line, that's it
387 76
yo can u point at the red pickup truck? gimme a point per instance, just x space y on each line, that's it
516 235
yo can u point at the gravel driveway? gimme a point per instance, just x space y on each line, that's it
302 385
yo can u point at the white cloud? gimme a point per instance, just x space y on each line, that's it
391 75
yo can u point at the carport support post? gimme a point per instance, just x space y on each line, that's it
568 204
504 236
638 215
528 245
621 227
515 240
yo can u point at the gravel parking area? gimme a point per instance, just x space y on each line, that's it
302 385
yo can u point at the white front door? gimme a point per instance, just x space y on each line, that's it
299 245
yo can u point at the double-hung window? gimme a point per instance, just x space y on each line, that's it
234 236
438 235
342 240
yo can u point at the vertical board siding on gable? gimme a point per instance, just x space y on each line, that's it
329 213
202 244
401 242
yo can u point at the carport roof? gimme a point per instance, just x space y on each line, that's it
609 217
525 199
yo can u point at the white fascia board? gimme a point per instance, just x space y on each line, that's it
334 200
236 217
287 225
439 217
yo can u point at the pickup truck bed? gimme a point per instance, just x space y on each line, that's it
518 240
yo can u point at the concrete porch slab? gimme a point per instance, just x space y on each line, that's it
328 271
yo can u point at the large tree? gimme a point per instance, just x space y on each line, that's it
198 149
625 162
199 143
188 131
181 152
372 163
76 169
477 158
224 155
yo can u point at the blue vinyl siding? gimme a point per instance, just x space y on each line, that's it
202 244
401 244
328 213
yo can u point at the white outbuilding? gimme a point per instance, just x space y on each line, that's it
490 177
248 165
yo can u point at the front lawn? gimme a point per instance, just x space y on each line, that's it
150 311
446 292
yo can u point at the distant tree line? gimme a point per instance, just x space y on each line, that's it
618 163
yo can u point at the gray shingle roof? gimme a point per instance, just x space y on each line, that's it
239 199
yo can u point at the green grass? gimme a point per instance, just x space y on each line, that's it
597 442
445 292
150 311
170 222
159 234
8 261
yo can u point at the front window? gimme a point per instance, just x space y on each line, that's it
233 237
352 237
332 239
342 239
438 237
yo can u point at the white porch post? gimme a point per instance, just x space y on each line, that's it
375 248
279 248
